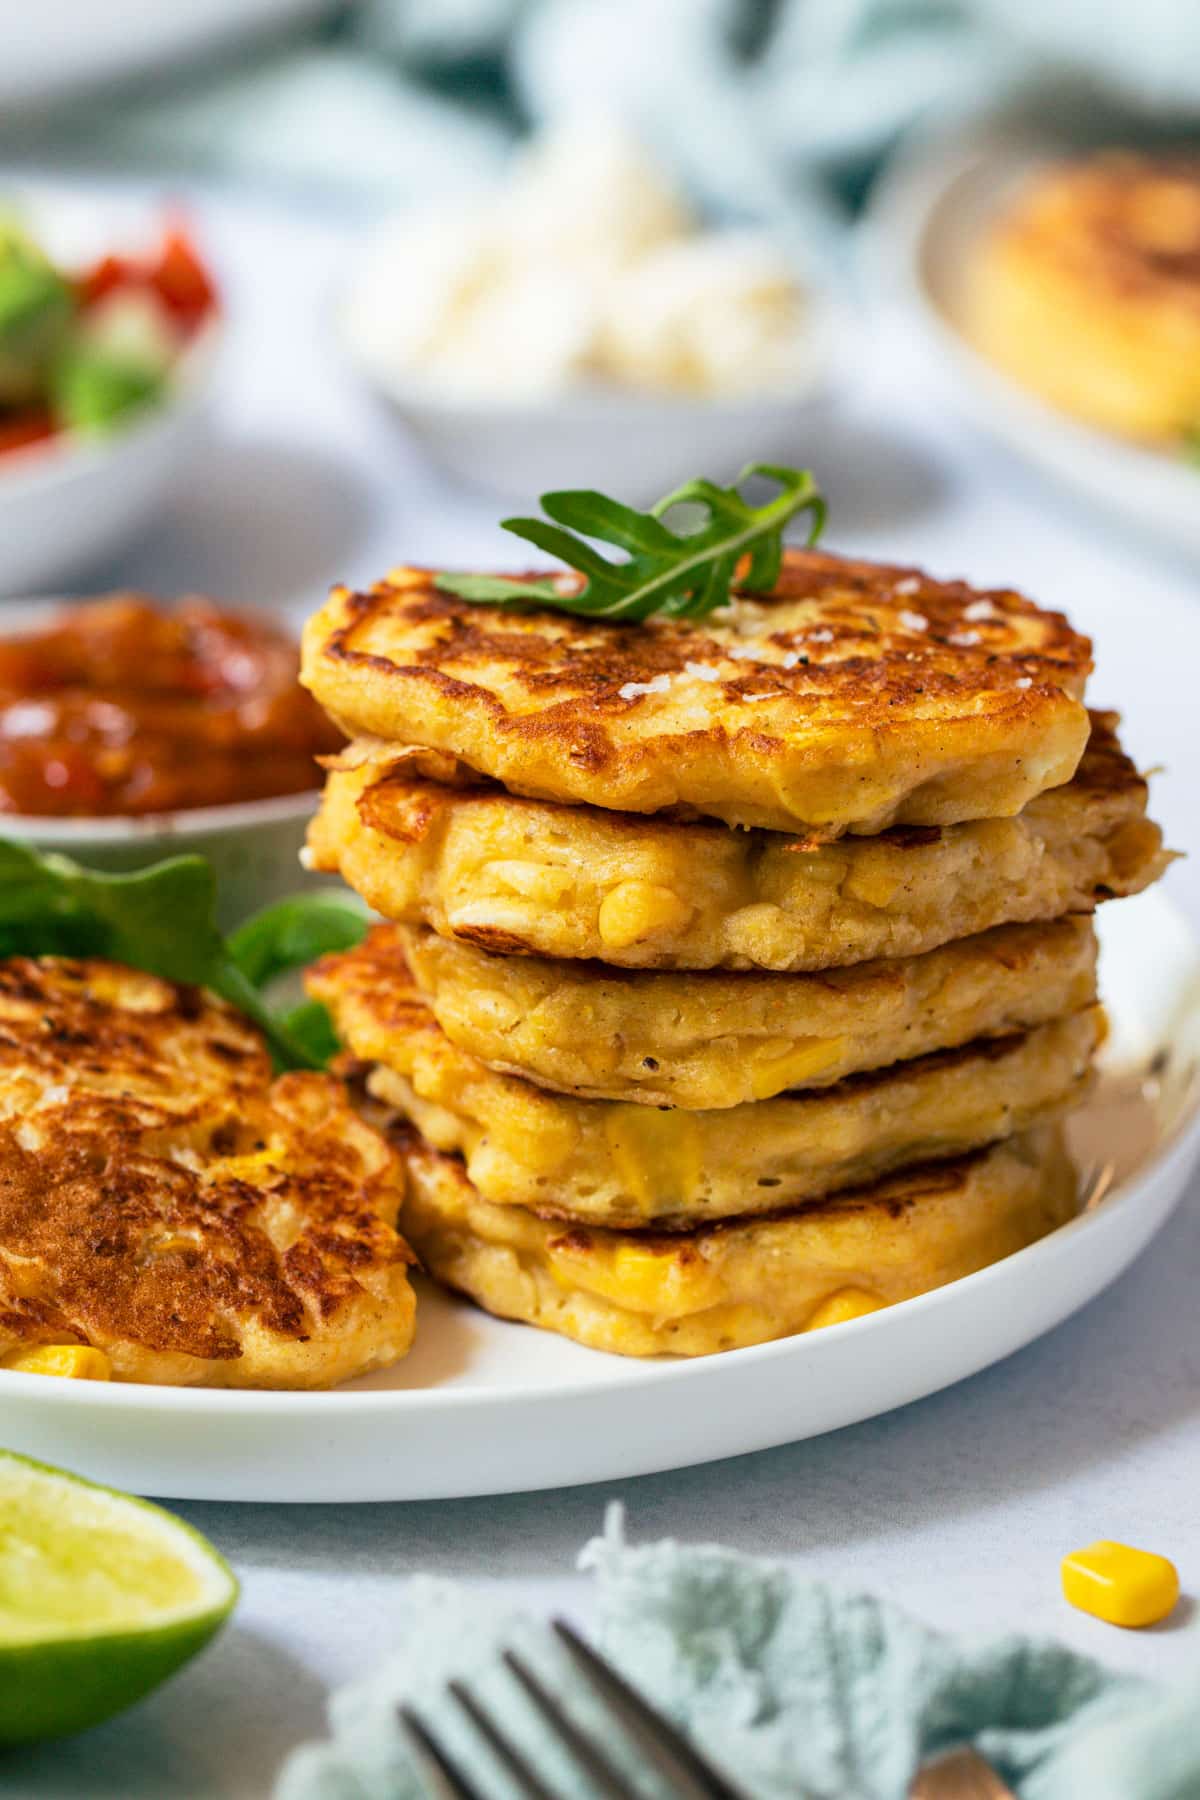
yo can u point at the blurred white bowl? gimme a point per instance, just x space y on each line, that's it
254 846
635 443
637 446
68 503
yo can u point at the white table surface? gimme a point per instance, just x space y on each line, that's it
958 1507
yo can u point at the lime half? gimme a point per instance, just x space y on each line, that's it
101 1598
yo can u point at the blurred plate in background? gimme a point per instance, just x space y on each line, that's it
926 218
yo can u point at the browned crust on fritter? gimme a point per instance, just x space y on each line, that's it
870 662
379 967
985 672
896 1195
374 976
1109 228
422 853
127 1214
57 1025
128 1244
405 807
385 1022
374 980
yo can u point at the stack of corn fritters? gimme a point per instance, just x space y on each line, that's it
739 971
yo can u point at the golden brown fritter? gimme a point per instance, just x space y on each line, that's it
742 1283
515 875
163 1199
1087 290
855 696
711 1040
610 1163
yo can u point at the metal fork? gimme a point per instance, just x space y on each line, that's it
687 1774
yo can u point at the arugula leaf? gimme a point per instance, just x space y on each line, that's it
294 932
310 1026
161 920
682 575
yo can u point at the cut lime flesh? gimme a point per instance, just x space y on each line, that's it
101 1597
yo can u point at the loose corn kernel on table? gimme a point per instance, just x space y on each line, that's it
961 1507
1121 1584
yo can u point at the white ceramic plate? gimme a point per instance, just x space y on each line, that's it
484 1407
924 221
253 845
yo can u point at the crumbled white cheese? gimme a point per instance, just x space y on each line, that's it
657 685
980 609
820 637
913 621
747 652
1024 681
964 639
307 858
583 266
792 658
718 313
702 671
910 585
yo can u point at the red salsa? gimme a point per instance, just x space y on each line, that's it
123 707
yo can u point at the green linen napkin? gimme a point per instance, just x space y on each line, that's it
795 1687
766 111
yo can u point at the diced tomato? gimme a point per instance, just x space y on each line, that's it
30 426
181 279
109 273
175 273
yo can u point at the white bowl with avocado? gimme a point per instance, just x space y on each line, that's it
109 328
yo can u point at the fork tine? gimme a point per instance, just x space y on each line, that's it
585 1752
669 1751
440 1771
501 1745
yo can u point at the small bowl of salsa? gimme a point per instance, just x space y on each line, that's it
133 729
